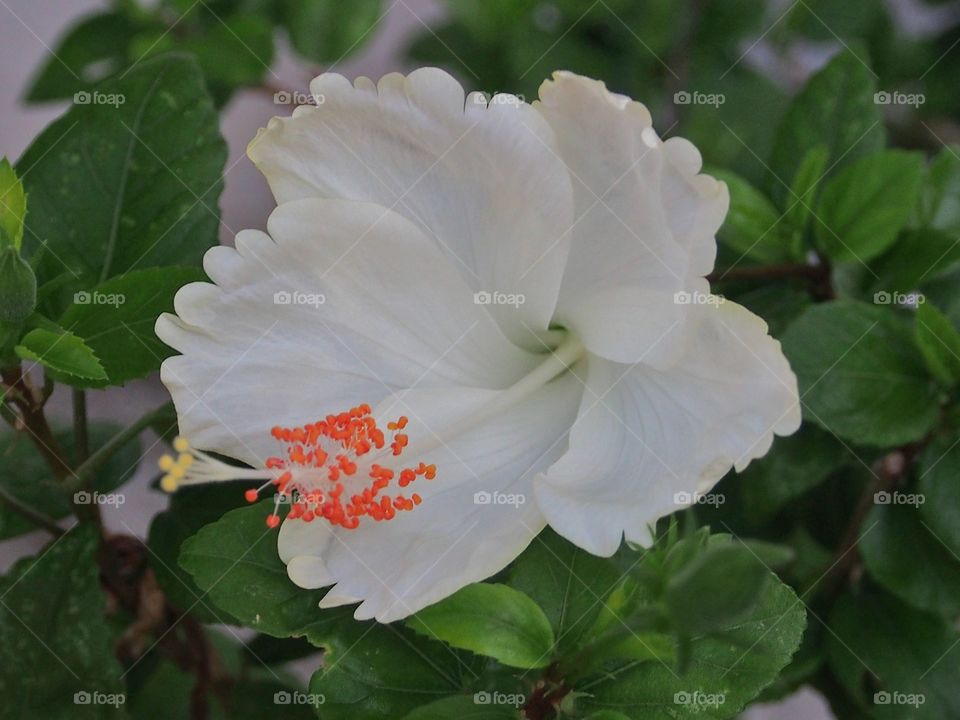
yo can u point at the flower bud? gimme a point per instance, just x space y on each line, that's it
13 208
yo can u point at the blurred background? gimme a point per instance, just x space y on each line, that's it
719 72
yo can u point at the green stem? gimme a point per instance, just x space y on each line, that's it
34 516
85 473
81 436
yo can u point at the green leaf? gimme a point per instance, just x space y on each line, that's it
860 375
492 620
191 509
918 256
277 651
939 203
901 650
55 644
795 465
737 664
158 688
752 227
90 51
115 319
235 562
836 110
567 583
130 179
382 672
894 537
939 343
26 475
939 469
718 589
235 52
802 198
463 707
13 207
777 304
62 352
864 206
327 30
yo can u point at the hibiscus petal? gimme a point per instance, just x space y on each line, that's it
454 537
644 222
644 435
484 182
345 303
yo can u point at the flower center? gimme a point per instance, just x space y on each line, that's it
342 468
339 469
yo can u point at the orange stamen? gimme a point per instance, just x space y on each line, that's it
328 454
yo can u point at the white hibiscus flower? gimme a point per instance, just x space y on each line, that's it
468 320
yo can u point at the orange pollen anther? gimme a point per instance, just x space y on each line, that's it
325 471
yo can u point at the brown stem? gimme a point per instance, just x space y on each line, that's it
770 272
30 404
80 435
131 584
547 695
891 471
